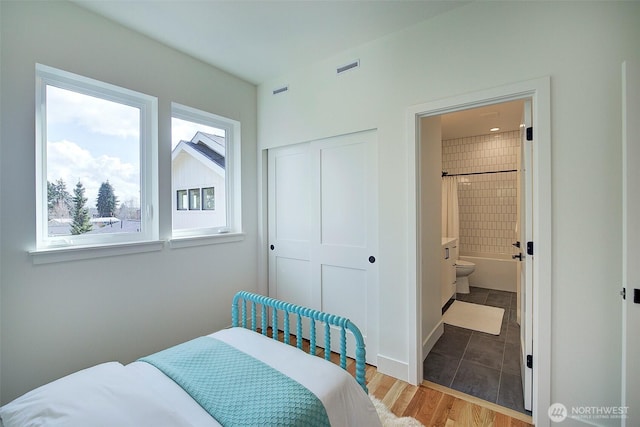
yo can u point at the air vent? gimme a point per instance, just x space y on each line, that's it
280 90
347 67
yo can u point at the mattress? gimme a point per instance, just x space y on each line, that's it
138 394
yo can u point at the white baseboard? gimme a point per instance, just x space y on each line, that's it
431 339
393 368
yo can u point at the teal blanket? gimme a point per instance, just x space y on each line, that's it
237 389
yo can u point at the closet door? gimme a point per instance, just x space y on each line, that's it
289 184
338 265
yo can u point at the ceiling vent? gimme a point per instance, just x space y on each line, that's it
280 90
350 66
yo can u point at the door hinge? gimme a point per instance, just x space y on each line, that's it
529 248
530 133
623 292
530 361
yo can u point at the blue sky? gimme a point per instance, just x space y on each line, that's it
95 140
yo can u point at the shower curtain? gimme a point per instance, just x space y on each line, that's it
450 217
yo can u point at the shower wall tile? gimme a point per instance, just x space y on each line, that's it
488 202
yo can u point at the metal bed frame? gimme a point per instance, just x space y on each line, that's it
343 324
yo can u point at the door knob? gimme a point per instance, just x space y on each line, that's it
518 257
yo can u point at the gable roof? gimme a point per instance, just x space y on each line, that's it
212 147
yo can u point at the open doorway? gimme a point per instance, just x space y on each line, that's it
424 127
483 171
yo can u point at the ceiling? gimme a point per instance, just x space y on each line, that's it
478 121
260 40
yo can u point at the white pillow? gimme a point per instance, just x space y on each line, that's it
103 395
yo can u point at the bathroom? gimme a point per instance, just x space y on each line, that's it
482 172
480 224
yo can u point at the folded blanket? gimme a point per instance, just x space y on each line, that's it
237 389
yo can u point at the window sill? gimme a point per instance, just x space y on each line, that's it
63 254
212 239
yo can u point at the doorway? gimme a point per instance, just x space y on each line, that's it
427 327
481 168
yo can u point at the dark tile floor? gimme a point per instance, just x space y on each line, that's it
482 365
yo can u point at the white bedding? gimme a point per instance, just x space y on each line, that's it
138 394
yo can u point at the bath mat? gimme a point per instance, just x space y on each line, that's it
477 317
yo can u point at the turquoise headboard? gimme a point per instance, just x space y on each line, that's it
343 324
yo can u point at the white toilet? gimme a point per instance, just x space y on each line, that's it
463 270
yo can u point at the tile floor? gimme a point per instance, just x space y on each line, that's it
482 365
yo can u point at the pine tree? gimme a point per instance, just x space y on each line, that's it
58 199
107 200
81 221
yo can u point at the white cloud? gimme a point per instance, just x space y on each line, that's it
94 114
72 163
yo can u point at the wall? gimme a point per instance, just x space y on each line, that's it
430 238
475 47
487 203
1 129
61 317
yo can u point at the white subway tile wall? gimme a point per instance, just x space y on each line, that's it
488 203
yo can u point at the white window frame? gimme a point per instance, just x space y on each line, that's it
148 106
232 180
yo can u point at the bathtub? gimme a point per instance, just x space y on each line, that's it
494 273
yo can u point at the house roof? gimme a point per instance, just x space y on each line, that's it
212 147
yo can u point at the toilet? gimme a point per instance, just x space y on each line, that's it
463 270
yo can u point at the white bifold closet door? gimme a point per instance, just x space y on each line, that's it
323 230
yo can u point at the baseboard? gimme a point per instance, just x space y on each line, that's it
393 368
432 339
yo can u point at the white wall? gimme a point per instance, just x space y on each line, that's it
430 152
480 46
58 318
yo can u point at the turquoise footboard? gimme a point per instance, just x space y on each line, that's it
240 314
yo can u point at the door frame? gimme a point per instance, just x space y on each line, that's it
630 229
539 90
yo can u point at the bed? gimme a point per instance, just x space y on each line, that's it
237 376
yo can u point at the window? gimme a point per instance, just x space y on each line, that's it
182 200
194 199
204 164
95 156
208 199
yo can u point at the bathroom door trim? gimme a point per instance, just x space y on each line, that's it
538 90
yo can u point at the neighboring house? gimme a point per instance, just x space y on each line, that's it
198 182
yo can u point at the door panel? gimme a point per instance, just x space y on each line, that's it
631 241
293 275
291 183
341 287
347 277
289 225
336 180
343 178
526 264
344 290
